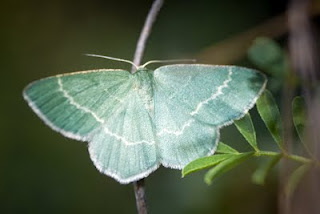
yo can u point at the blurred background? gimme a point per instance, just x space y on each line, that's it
43 172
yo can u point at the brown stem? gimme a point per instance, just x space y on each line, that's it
139 191
156 6
139 187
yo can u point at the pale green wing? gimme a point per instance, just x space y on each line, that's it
99 107
136 155
73 103
192 102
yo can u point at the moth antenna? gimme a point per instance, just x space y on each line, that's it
113 58
168 61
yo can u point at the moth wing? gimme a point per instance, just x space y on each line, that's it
100 107
192 102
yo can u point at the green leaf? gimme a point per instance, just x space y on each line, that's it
296 177
299 115
226 165
225 149
204 162
259 176
267 54
246 128
299 119
270 115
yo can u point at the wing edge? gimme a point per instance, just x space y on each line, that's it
117 176
48 122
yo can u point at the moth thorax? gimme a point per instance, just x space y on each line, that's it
147 99
143 85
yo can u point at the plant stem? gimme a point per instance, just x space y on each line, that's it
156 6
139 187
299 159
296 158
266 153
139 191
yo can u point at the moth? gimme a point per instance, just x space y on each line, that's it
134 123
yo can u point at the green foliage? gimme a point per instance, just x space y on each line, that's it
226 165
270 115
259 176
299 115
228 158
267 54
246 128
205 162
299 120
296 177
225 149
269 57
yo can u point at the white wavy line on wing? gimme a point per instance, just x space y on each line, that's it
77 105
215 95
98 119
197 109
177 133
124 140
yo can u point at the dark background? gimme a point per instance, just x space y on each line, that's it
43 172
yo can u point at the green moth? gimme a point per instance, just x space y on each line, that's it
133 123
